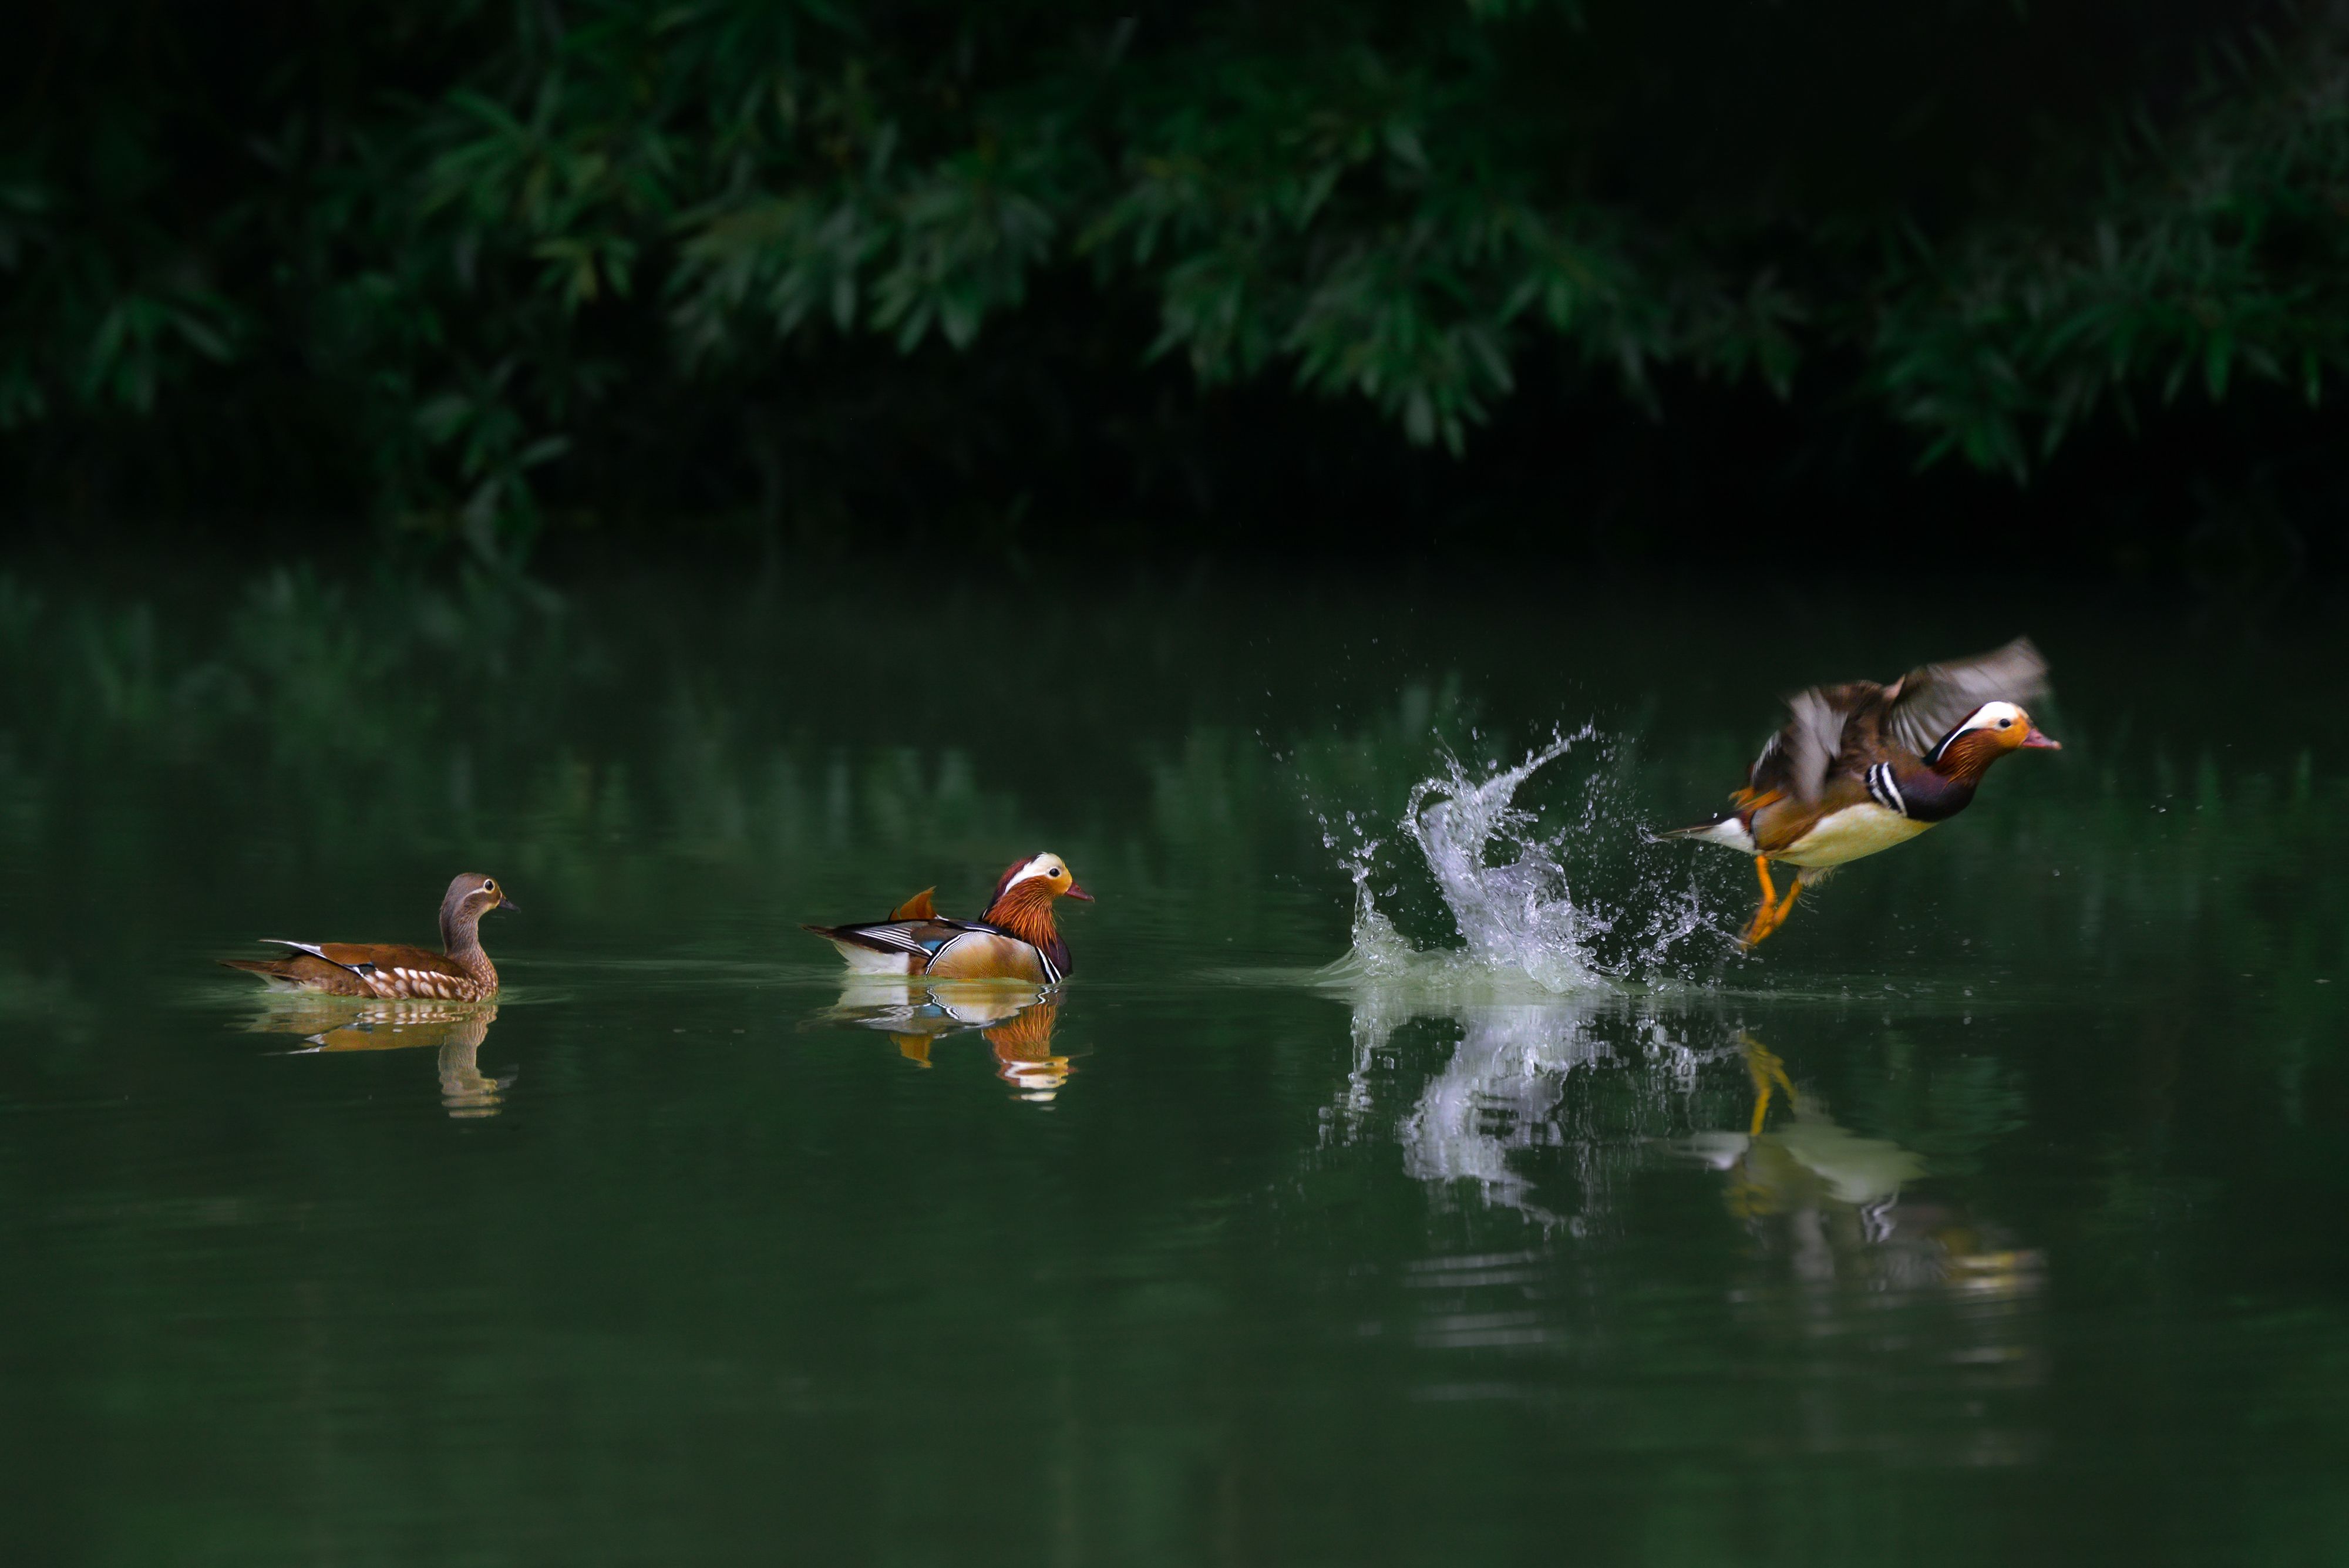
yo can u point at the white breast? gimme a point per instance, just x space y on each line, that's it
1851 833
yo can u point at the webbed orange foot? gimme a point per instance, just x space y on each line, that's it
1774 910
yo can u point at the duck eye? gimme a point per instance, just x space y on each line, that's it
2006 723
488 887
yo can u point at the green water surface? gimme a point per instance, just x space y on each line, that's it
682 1255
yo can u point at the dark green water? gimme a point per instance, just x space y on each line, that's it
1227 1257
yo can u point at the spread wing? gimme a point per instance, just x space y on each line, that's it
1794 761
1927 704
1812 739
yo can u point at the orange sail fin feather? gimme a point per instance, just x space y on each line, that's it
1860 767
920 907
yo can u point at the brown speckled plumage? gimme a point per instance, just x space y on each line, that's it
392 971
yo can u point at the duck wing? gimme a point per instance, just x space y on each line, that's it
380 970
1795 761
366 958
1929 701
918 938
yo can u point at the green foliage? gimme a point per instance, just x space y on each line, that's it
468 252
2212 251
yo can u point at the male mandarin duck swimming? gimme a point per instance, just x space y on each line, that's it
1014 940
463 972
1861 767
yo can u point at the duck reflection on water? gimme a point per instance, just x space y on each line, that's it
1569 1148
1016 1020
1554 1108
455 1030
1832 1200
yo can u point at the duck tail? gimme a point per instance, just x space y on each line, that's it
276 973
871 949
1731 831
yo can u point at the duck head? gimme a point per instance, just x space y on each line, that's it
1039 879
1024 897
1988 734
470 897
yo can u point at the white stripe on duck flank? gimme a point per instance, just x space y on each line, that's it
1887 789
984 934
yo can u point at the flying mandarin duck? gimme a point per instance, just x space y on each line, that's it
461 973
1861 767
1014 940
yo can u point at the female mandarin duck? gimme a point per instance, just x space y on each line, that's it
461 973
1861 767
1014 940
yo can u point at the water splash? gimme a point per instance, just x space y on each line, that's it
1510 893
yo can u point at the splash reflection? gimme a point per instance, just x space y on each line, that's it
1558 1143
1552 1109
455 1030
1016 1020
1503 1094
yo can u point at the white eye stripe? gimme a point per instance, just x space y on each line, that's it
1042 866
1991 716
